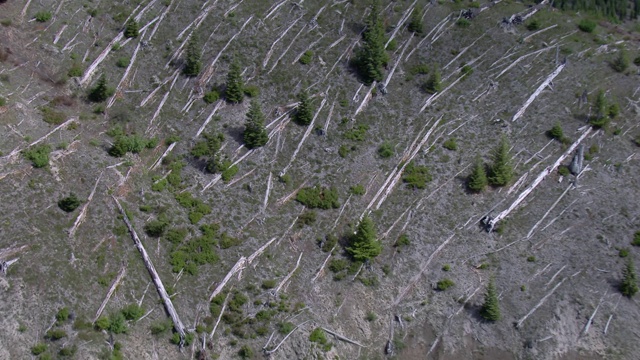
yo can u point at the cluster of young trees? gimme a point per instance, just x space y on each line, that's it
372 56
500 171
613 9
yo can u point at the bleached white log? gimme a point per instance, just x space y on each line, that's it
112 289
310 128
273 44
286 279
269 352
218 106
533 96
166 152
586 328
340 337
539 32
224 306
538 180
324 264
237 268
521 321
287 49
401 22
548 211
209 72
274 9
177 323
83 212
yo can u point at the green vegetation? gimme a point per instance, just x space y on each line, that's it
533 25
211 97
416 177
55 334
68 204
358 133
629 284
446 267
624 252
450 144
587 25
556 133
463 23
563 170
434 83
531 258
43 16
444 284
193 63
234 92
357 189
621 62
101 91
490 310
403 240
155 228
268 284
385 150
329 242
306 58
636 239
477 180
132 30
364 244
285 328
318 336
38 348
207 150
501 171
304 111
38 155
372 56
251 91
123 62
415 22
75 70
197 209
245 352
371 316
601 118
132 143
197 251
3 101
132 312
614 10
51 116
318 197
307 218
255 134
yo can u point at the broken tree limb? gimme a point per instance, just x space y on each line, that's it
586 328
462 52
270 52
521 321
365 101
542 86
606 327
83 212
326 124
324 264
266 194
166 152
538 180
423 268
269 352
218 106
224 306
238 267
548 211
112 289
516 61
209 72
177 323
539 32
310 128
287 49
284 281
401 22
340 337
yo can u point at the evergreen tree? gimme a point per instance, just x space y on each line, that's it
255 134
193 64
372 56
501 171
132 30
491 308
304 113
434 83
415 24
364 243
621 62
235 87
101 91
477 181
629 285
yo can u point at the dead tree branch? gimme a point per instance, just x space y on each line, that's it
521 321
112 289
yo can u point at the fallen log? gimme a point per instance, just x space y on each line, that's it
340 337
521 321
492 223
533 96
83 212
177 323
269 352
310 128
112 289
284 281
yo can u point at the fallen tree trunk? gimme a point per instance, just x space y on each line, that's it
177 323
533 96
83 212
521 321
340 337
269 352
284 281
492 223
112 289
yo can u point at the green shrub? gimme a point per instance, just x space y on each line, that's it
403 240
415 23
371 316
338 265
385 150
563 170
446 267
533 25
38 348
132 143
450 144
118 323
434 83
268 284
68 204
343 150
329 242
318 197
62 315
556 132
245 352
318 336
51 116
132 312
364 244
636 239
176 236
285 328
307 218
466 70
193 64
393 45
43 16
3 101
304 110
624 252
227 241
55 334
38 155
463 23
101 91
621 62
416 177
103 323
358 133
357 189
444 284
306 58
629 284
251 91
155 228
587 25
211 97
123 62
477 180
160 327
229 173
531 259
68 351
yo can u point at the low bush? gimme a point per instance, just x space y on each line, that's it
416 177
52 116
450 144
444 284
123 62
306 58
38 155
385 150
69 203
211 97
43 16
318 197
587 25
357 189
38 348
55 334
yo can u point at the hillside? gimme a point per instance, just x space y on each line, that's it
223 179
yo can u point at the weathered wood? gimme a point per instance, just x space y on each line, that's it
284 281
542 86
224 306
269 352
83 212
112 289
521 321
177 323
340 337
